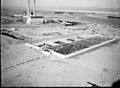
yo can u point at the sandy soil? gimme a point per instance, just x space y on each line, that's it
99 66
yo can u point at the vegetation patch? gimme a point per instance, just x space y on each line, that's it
53 33
58 12
113 17
78 45
70 40
71 13
59 42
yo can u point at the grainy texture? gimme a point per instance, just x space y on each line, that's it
99 66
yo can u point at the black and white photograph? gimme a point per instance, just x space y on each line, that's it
60 43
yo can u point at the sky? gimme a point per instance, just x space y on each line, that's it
63 3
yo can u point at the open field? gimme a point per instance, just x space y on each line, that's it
24 66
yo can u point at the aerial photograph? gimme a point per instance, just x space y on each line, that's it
60 43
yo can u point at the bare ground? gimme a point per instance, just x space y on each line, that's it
99 66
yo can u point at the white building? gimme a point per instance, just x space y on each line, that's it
34 19
31 18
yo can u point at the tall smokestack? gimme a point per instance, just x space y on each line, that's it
28 7
34 8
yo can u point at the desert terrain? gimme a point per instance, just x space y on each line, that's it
22 66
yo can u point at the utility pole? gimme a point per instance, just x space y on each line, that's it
28 7
34 8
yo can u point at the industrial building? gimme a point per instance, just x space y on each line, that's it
31 17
